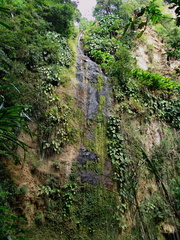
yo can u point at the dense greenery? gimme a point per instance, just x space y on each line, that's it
34 56
133 191
147 96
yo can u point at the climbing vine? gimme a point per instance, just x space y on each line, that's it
121 163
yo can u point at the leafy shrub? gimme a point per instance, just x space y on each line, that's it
174 51
12 120
5 63
120 68
101 57
120 161
154 81
56 131
175 191
155 209
172 114
61 17
50 75
62 50
111 23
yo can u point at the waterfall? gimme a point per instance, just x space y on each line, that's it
92 95
93 87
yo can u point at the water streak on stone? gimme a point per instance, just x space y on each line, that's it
92 94
88 95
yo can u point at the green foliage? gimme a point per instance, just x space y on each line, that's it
155 209
164 176
56 131
84 24
120 161
48 191
175 191
172 114
99 44
34 58
160 102
106 7
173 51
140 96
94 209
9 199
5 63
9 222
5 11
142 16
12 120
101 57
120 69
61 17
170 35
110 24
154 81
115 149
102 46
79 211
68 198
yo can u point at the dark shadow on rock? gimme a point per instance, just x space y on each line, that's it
86 155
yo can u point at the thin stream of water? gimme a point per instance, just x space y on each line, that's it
89 77
92 94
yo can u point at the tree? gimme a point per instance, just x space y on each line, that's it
107 7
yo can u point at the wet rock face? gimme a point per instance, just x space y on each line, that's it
87 94
92 94
85 155
89 177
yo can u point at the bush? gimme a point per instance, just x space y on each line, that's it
154 81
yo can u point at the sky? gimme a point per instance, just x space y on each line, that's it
86 8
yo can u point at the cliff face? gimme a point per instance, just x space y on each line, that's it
103 163
113 181
151 55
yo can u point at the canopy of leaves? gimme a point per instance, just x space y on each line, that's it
107 7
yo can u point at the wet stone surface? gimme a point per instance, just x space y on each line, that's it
89 177
87 75
92 87
85 155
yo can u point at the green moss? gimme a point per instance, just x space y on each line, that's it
99 85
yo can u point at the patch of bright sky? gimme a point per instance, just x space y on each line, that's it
86 8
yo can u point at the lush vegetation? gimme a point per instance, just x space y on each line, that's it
132 167
35 56
144 96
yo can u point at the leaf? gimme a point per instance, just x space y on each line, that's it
5 86
132 26
4 10
5 25
140 34
141 25
126 28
